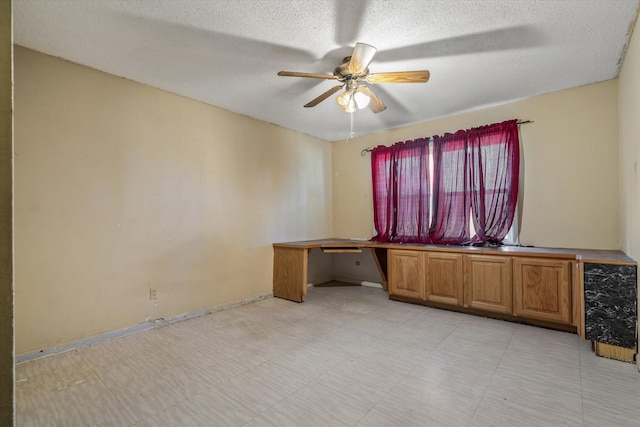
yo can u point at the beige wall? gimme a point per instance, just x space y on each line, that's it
6 217
629 105
570 192
121 187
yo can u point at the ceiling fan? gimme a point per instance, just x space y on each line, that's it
353 73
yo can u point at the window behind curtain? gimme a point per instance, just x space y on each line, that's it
494 168
401 191
461 188
451 199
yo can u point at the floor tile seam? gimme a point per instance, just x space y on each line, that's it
363 356
447 335
581 386
493 374
22 381
385 336
286 396
111 392
53 393
412 317
115 391
465 331
327 336
255 418
101 373
536 353
368 412
209 389
388 393
118 397
160 351
304 339
397 384
278 362
124 408
187 360
157 414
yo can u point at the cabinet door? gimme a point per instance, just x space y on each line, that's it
406 276
541 289
488 283
443 282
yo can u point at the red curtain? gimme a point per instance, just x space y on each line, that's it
475 178
401 177
382 166
494 173
451 198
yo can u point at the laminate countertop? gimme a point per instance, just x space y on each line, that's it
586 255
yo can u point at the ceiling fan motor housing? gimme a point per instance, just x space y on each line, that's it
342 72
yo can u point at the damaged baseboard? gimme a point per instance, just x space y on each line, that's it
221 307
154 323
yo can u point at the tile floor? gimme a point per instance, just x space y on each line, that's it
347 356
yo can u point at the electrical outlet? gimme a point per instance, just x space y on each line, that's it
153 293
357 262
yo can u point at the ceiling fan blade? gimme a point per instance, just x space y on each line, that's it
421 76
515 37
324 96
312 75
374 104
361 57
349 20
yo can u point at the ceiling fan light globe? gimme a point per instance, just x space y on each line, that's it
351 106
362 100
343 99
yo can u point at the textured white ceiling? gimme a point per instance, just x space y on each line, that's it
227 52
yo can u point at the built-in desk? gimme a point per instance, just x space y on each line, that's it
590 292
291 260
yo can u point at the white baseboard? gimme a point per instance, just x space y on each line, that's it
351 281
371 284
319 281
134 329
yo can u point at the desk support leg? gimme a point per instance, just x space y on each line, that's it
380 256
290 273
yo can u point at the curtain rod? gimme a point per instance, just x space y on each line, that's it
369 149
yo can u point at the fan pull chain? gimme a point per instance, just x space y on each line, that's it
352 133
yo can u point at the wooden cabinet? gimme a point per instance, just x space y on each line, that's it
525 287
542 289
406 273
487 283
443 278
428 276
539 286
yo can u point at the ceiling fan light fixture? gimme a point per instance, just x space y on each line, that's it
351 106
352 100
362 100
344 99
